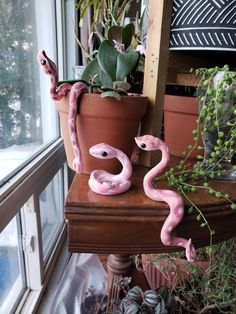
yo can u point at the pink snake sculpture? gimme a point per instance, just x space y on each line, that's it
105 183
173 199
49 68
76 90
57 93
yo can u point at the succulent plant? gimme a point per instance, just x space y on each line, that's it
142 302
115 60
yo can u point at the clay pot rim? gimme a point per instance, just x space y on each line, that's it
181 104
126 106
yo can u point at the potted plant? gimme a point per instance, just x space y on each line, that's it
217 123
107 113
181 110
207 286
137 301
217 118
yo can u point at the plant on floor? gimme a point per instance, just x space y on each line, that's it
217 125
203 290
137 301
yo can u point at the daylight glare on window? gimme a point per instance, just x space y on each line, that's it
23 114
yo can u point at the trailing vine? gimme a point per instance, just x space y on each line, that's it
216 125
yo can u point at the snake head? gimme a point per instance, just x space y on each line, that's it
47 64
149 142
103 151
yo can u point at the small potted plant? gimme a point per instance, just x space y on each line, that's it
213 130
207 286
107 113
217 121
181 111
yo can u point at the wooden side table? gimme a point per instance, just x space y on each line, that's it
130 223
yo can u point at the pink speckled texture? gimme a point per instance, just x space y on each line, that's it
173 199
49 68
57 93
105 183
75 92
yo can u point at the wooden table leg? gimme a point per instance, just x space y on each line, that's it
118 267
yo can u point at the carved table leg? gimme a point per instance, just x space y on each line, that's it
118 266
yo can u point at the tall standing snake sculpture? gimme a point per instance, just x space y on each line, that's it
57 93
105 183
173 199
49 68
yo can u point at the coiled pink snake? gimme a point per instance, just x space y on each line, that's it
173 199
49 67
105 183
57 93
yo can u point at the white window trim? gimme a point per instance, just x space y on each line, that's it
30 180
24 188
33 298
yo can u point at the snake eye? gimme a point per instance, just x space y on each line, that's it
43 61
143 145
104 154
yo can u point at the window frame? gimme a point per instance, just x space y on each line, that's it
20 193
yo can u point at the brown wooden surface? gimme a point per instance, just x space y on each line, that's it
130 223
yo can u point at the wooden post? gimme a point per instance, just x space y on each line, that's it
155 74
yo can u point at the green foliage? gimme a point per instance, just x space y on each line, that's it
217 118
137 301
113 63
105 12
122 35
116 58
198 289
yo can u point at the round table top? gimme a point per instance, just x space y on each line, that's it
131 222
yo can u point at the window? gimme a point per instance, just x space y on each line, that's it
12 272
51 213
27 116
32 159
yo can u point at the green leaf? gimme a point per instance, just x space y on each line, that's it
127 35
121 85
105 79
107 59
122 35
111 94
126 62
190 210
92 73
115 33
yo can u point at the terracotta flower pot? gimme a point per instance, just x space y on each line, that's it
168 274
180 114
104 120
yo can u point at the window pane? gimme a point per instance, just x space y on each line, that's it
27 120
51 213
12 274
